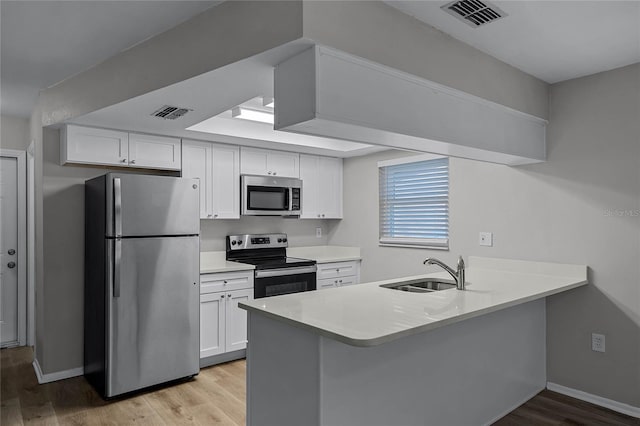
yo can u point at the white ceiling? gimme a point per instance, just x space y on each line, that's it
44 42
210 96
552 40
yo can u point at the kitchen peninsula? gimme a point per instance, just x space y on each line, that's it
368 355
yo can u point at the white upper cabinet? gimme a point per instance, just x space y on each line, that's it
197 163
218 168
154 152
255 161
87 145
226 182
321 187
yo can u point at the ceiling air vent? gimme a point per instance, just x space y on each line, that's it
474 12
169 112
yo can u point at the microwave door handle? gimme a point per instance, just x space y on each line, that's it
290 201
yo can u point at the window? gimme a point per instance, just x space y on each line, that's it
414 202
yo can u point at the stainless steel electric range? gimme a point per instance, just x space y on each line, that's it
275 273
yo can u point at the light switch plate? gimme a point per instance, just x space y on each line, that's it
486 239
318 232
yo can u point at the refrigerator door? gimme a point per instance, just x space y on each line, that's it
139 205
153 312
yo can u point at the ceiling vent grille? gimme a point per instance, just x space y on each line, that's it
474 12
169 112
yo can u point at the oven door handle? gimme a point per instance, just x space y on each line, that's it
267 273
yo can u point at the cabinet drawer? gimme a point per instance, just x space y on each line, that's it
337 269
335 282
225 281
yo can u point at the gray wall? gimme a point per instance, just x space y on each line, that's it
300 232
582 206
380 33
14 133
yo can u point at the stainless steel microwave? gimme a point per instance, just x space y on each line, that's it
270 196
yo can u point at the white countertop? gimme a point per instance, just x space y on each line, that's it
368 315
216 261
326 254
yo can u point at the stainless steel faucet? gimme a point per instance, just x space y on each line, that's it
458 275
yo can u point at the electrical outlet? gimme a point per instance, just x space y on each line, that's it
486 239
597 342
318 232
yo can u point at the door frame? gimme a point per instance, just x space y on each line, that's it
21 160
31 244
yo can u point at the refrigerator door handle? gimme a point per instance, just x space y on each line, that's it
117 206
117 255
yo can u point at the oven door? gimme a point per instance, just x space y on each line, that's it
274 282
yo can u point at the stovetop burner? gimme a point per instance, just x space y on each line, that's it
278 262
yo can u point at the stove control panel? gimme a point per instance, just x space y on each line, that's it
256 241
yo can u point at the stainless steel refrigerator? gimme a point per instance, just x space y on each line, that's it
142 261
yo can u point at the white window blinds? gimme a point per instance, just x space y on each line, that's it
414 203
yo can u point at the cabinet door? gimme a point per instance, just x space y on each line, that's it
212 324
197 163
286 164
226 182
253 161
94 146
309 173
154 152
326 283
330 188
236 319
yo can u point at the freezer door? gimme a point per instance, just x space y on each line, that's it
139 205
153 307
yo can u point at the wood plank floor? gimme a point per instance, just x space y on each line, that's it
215 397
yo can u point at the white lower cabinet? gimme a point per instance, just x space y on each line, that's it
223 325
338 274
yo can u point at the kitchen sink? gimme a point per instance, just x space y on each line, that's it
421 286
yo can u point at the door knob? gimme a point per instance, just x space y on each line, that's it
12 252
11 265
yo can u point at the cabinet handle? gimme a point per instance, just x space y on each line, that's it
337 270
340 281
228 296
124 160
322 214
133 161
318 214
222 296
215 215
269 172
274 173
225 281
209 215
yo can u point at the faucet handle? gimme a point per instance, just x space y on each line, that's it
460 263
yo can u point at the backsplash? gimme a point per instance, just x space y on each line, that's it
301 232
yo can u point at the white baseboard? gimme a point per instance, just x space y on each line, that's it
58 375
620 407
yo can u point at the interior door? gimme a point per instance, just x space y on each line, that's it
153 312
8 251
